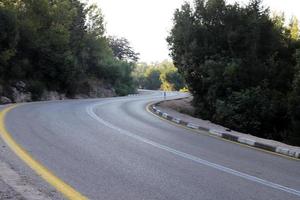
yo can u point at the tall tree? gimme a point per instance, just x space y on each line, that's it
294 28
57 45
95 21
234 57
294 106
8 38
122 50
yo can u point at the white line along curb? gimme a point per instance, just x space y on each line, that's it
294 153
176 120
288 152
246 141
215 133
297 154
282 150
165 115
193 126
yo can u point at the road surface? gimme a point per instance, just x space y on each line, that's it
112 148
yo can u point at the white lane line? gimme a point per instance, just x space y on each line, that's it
90 111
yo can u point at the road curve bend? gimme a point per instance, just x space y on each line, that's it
112 148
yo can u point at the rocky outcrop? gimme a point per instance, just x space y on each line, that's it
52 95
95 89
20 96
100 90
19 92
4 100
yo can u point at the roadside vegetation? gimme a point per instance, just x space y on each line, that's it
60 47
157 76
242 65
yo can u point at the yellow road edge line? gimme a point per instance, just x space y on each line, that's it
46 174
220 138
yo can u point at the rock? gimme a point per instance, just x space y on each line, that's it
100 89
52 95
21 86
5 100
49 96
92 88
19 96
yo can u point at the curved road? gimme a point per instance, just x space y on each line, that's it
112 148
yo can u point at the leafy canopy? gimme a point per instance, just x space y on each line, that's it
240 65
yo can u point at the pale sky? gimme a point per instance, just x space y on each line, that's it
146 23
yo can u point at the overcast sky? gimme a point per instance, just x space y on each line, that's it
146 23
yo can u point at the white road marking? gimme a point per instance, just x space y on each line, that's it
90 111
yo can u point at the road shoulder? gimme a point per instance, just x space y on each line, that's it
166 110
8 193
18 181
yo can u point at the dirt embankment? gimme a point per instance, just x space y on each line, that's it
181 105
20 92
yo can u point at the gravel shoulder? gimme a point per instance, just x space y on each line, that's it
18 181
7 192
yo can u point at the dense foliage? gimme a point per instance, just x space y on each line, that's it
58 45
242 66
122 50
156 76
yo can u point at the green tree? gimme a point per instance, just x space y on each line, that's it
95 21
122 49
153 81
170 78
235 57
294 106
8 38
163 75
175 79
139 74
57 45
294 28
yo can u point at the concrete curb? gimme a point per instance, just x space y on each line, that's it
131 95
225 135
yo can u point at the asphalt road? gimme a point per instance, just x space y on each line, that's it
112 148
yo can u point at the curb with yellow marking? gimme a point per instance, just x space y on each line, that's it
214 136
46 174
